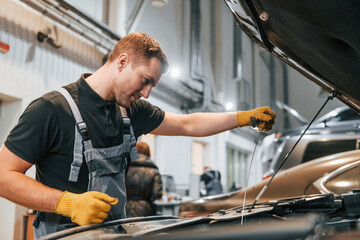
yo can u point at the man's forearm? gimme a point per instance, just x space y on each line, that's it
28 192
206 124
196 124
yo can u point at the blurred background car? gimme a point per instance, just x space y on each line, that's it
309 148
336 124
293 182
340 120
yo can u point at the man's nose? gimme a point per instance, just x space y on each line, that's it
145 92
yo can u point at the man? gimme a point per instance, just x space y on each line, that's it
143 184
212 180
81 143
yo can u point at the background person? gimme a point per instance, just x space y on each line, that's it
143 184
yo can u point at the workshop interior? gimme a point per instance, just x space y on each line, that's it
299 180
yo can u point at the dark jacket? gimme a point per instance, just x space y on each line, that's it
212 181
143 186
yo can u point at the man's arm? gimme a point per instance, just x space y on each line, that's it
86 208
206 124
21 189
195 124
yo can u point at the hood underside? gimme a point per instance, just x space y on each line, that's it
318 38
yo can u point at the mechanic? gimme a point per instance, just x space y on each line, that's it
143 184
82 137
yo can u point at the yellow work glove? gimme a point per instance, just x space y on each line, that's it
85 208
262 118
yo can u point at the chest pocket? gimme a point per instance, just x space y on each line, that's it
107 160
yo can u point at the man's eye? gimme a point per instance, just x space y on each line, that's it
146 81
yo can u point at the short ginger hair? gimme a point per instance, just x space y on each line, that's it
139 46
143 148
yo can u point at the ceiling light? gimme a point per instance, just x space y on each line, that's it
229 106
175 72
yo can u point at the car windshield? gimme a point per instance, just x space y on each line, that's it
341 114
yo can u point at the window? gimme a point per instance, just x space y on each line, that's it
199 157
345 115
237 168
324 148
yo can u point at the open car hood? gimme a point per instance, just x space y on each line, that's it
319 38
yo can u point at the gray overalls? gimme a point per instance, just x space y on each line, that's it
107 167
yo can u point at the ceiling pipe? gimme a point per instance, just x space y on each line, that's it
195 56
76 20
50 13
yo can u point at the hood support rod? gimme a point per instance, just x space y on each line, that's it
331 97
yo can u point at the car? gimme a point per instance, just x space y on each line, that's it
293 182
312 146
327 187
342 120
321 40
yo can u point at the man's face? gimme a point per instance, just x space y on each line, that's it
135 80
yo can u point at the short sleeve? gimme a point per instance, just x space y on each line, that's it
144 117
35 132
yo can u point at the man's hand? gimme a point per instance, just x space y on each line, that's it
85 208
263 118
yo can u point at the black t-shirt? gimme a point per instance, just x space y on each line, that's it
45 132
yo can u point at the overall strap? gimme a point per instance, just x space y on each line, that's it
81 134
129 135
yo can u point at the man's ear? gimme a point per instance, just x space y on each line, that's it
122 61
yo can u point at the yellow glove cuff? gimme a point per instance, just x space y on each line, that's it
243 118
66 203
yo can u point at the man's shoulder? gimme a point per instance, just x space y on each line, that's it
55 97
50 96
50 104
